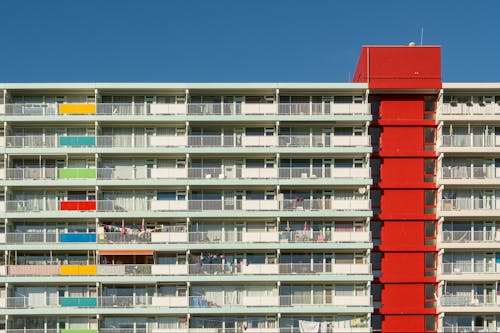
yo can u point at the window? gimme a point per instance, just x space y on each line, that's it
429 103
430 323
429 134
430 233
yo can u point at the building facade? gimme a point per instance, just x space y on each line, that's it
259 208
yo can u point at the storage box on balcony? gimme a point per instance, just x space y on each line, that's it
77 108
77 238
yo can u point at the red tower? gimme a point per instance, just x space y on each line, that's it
403 86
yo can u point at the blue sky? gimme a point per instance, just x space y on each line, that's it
236 40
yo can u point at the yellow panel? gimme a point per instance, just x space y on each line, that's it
78 270
77 108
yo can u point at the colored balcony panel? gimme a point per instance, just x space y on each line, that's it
77 141
78 270
78 205
77 173
77 238
79 301
77 109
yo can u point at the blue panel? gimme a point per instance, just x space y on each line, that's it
166 195
77 141
77 301
77 238
497 258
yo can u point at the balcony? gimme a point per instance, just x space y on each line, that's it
143 205
457 268
193 141
200 237
191 269
49 237
468 301
300 300
463 237
469 109
214 173
463 142
191 109
463 175
469 206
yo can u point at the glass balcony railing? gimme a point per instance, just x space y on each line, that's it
192 109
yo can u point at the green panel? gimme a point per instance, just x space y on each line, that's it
73 173
78 331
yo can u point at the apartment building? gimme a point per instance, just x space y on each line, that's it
262 208
208 208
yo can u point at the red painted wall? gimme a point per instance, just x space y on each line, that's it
392 323
400 78
78 205
399 67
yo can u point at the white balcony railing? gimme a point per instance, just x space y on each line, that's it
467 267
195 109
467 236
129 141
143 205
466 109
468 204
466 172
468 140
468 300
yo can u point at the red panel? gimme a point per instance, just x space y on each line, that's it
403 267
402 172
410 323
78 205
400 67
403 236
402 139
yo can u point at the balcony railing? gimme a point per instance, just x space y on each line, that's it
468 300
468 140
143 205
185 237
487 109
467 236
194 109
129 141
468 204
132 173
464 172
467 267
191 269
467 329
